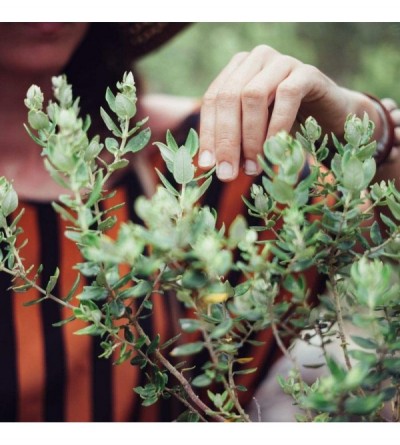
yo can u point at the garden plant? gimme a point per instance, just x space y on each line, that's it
349 234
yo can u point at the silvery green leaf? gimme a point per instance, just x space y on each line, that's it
171 141
110 123
183 166
52 281
394 207
237 230
367 151
38 120
138 142
375 234
110 98
9 202
187 349
281 191
369 169
353 174
125 108
166 183
167 154
112 145
275 149
96 191
118 165
192 142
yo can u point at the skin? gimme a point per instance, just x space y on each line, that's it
256 94
237 113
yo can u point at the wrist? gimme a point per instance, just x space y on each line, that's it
385 134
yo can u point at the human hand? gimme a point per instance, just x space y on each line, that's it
258 94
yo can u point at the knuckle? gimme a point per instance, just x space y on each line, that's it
251 94
310 70
288 89
209 98
227 96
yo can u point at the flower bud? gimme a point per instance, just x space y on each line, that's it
313 130
34 98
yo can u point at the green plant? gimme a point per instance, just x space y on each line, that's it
180 252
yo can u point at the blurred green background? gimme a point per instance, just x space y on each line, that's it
364 56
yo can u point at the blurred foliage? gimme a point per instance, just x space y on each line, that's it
363 56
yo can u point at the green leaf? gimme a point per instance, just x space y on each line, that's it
375 234
392 226
194 279
171 142
94 293
367 151
64 213
110 98
52 281
35 138
201 381
90 330
222 329
167 184
238 229
150 401
138 142
363 405
188 349
188 416
107 224
369 169
141 289
112 145
394 207
118 165
189 324
336 369
96 190
153 345
365 343
117 308
192 142
183 166
281 191
110 123
365 357
63 322
167 154
353 173
125 107
203 188
32 302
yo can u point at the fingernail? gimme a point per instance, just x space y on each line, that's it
206 159
224 170
250 167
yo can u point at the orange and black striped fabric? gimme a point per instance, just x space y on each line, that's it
50 374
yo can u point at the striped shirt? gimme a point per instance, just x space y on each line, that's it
50 374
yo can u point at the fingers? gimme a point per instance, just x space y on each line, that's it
208 113
235 112
257 97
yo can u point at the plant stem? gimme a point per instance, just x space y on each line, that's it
340 321
181 379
